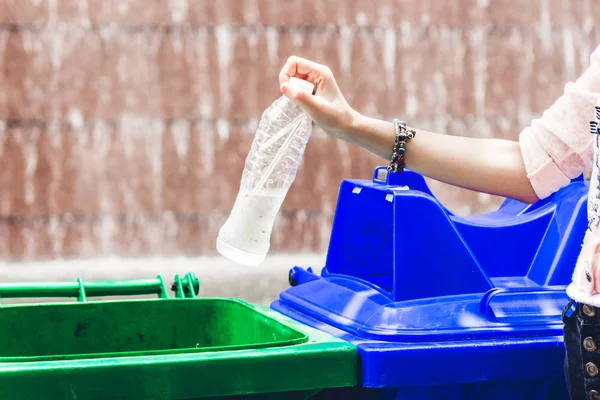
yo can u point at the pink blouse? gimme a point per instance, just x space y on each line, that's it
559 147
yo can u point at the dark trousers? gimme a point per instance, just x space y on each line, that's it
582 344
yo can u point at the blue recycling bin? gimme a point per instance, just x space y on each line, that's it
442 306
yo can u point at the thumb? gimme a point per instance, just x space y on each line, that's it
313 105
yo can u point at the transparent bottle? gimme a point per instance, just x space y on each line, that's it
270 170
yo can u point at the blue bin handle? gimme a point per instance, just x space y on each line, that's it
486 310
411 179
377 175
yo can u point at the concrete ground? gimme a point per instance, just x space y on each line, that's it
218 276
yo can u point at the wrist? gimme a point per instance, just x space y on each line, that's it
372 134
356 129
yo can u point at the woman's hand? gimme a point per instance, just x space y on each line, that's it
492 166
327 107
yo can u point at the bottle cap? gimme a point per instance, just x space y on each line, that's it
303 85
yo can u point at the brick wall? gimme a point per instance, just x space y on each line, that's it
124 124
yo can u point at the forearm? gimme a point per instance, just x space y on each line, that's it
493 166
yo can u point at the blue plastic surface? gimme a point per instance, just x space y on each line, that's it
442 305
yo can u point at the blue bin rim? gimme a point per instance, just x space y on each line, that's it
364 310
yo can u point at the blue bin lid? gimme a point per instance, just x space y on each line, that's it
402 268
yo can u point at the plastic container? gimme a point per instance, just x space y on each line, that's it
269 172
441 306
183 348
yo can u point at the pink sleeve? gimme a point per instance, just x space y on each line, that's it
559 146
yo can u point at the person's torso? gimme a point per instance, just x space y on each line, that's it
585 286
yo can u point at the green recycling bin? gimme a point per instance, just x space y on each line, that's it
179 347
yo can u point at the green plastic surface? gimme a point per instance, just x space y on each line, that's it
182 348
142 327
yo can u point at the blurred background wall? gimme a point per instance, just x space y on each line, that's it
124 124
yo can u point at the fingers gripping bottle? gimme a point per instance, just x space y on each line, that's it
270 170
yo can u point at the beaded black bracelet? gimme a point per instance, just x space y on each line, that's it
403 135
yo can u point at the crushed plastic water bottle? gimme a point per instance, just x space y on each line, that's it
270 170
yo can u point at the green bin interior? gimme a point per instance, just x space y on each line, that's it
136 327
